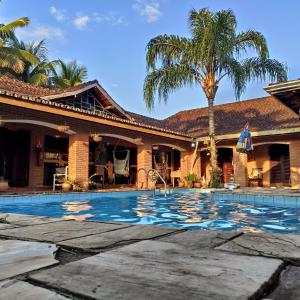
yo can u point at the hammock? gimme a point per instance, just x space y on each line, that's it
244 143
121 166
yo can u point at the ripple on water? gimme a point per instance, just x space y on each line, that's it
279 228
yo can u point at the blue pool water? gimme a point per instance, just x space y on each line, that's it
183 209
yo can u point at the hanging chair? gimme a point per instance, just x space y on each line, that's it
121 166
244 144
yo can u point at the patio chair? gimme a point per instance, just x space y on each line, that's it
61 174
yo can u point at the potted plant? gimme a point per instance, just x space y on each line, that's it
197 183
66 185
3 184
190 179
180 183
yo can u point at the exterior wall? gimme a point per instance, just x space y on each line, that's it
240 161
144 161
79 157
186 159
295 163
36 170
261 160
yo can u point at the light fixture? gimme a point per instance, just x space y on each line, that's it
97 138
193 144
63 128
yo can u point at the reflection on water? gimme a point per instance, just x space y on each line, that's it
189 210
185 210
77 207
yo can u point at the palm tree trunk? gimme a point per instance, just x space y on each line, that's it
211 132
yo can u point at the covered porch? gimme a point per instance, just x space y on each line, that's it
35 144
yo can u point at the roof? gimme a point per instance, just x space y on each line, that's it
25 91
267 113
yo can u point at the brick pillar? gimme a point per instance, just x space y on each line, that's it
295 163
240 161
79 157
144 161
186 158
36 169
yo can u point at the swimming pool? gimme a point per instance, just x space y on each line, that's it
188 209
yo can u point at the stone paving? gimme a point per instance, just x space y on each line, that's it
126 261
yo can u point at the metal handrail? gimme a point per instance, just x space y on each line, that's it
161 178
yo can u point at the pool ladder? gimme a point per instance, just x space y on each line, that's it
154 171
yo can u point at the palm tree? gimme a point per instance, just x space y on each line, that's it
214 51
12 58
69 74
39 72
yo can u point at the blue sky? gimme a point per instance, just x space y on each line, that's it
109 37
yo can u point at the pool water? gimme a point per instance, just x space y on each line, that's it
182 209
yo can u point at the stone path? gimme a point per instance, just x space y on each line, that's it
119 237
126 261
154 269
271 245
14 289
17 257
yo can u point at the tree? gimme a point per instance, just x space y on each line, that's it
35 73
69 74
12 58
214 51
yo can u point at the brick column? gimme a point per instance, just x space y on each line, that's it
79 157
295 163
240 161
144 161
186 158
36 170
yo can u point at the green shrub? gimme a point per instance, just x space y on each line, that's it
216 179
190 179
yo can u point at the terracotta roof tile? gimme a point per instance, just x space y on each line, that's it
26 89
265 113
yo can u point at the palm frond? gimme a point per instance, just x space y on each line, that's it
252 40
7 29
166 80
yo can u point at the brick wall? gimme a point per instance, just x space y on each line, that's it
240 161
79 157
295 163
186 158
260 159
144 161
36 171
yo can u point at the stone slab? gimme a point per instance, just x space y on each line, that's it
289 285
284 246
14 289
159 270
24 220
197 239
18 257
118 237
59 231
6 226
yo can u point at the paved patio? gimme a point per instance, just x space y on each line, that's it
44 258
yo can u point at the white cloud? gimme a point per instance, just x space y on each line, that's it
41 32
111 18
81 22
148 9
58 14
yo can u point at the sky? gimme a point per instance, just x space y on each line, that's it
109 37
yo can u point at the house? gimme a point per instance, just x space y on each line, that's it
42 129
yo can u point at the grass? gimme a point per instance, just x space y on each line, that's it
3 220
